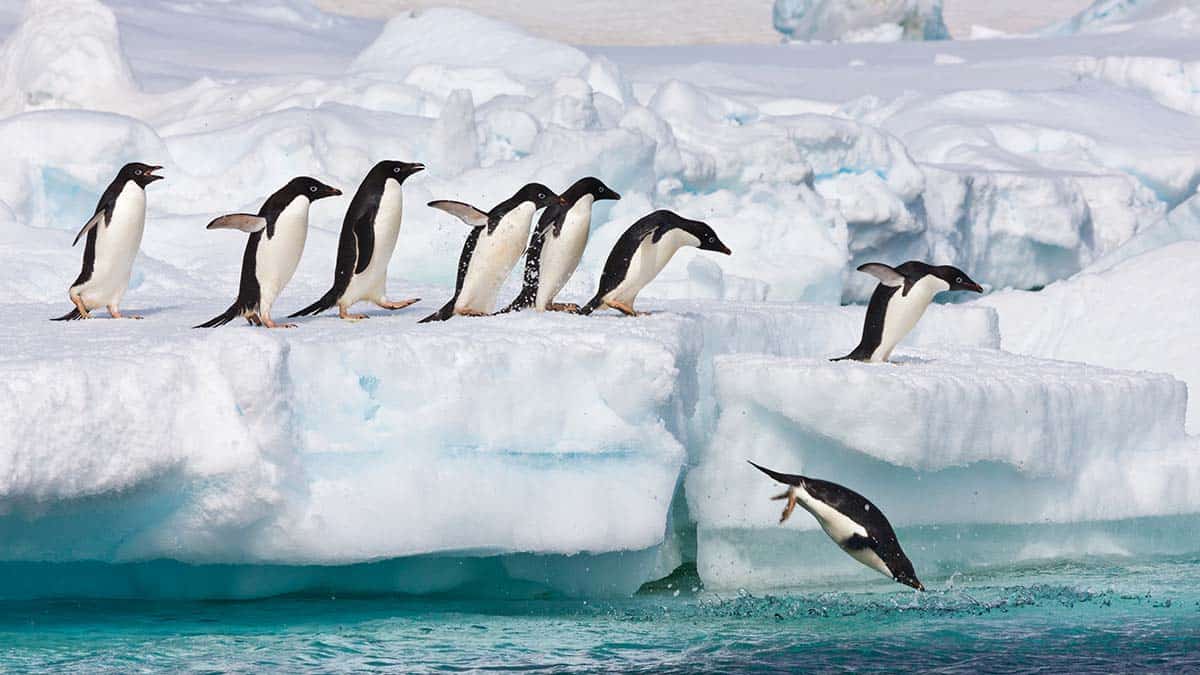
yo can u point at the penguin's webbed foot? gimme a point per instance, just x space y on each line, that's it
623 308
116 314
398 304
790 496
563 307
347 316
471 312
271 324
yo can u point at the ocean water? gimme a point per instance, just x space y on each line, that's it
1098 615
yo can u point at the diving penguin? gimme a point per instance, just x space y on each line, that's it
557 245
365 247
496 242
851 521
114 234
277 235
899 301
642 252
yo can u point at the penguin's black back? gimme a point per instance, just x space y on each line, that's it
464 262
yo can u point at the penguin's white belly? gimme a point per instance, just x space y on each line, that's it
903 312
493 258
117 244
277 257
561 254
648 260
371 283
840 529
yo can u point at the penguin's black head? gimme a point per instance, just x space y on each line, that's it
709 241
142 174
312 188
903 572
958 279
396 170
588 186
537 193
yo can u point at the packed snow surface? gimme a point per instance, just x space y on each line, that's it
583 453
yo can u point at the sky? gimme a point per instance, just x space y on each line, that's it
625 22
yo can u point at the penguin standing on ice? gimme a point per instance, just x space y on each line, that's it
277 235
898 302
851 521
642 252
367 242
114 234
557 245
494 246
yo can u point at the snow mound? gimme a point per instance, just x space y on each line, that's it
860 20
464 39
65 54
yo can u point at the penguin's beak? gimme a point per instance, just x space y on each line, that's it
973 287
415 167
150 177
725 249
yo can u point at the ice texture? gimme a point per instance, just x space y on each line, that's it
860 20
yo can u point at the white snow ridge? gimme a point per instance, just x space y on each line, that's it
589 455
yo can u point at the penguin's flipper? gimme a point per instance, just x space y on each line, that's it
442 314
245 222
464 212
886 274
553 217
91 224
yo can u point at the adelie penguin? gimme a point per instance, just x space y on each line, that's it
497 239
368 239
856 525
642 252
899 301
114 234
557 245
277 234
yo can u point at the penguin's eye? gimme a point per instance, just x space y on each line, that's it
600 190
958 280
710 240
312 188
396 170
137 172
541 196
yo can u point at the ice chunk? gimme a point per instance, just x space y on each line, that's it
464 39
1134 312
860 20
65 54
951 445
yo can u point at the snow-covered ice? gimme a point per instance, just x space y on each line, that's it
582 453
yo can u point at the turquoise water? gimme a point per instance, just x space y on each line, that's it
1099 615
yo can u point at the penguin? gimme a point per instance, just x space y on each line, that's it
642 252
899 301
493 248
365 246
557 245
277 237
851 521
114 234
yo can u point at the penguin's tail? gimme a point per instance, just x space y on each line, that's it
72 315
859 354
785 478
328 300
442 314
592 305
523 301
223 318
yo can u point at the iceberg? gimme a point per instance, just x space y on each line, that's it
860 20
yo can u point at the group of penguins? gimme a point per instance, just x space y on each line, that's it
496 242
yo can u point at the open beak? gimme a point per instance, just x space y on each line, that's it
415 167
150 174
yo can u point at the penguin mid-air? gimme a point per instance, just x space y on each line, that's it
851 521
557 245
114 234
898 302
642 252
277 235
367 242
493 248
